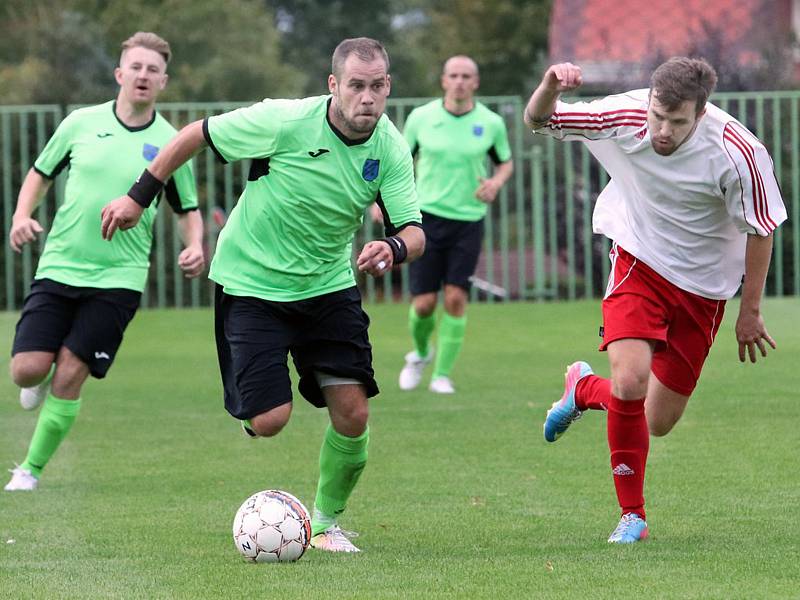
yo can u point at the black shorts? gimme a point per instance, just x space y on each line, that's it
90 322
452 249
326 333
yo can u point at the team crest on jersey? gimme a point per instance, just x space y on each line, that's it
641 133
477 130
370 169
149 152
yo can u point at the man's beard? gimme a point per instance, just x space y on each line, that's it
351 124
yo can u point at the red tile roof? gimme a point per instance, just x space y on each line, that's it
630 31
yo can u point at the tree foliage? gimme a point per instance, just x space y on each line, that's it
64 51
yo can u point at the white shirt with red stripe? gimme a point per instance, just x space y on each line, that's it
687 214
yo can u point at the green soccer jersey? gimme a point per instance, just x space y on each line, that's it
451 152
290 235
104 157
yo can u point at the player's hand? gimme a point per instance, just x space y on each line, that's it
23 230
751 333
192 260
562 77
487 190
375 258
122 213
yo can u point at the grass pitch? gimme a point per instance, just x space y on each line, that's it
461 498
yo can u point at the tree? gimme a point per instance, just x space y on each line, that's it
65 52
52 54
507 38
312 29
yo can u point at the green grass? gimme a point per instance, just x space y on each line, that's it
461 496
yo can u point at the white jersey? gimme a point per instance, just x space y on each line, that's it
686 215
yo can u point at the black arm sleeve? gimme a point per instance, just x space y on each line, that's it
210 143
390 228
172 196
62 164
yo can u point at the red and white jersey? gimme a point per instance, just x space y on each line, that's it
686 215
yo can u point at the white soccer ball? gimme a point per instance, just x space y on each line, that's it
272 526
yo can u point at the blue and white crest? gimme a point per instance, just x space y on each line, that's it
149 152
477 130
370 169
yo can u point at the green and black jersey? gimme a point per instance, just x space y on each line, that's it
451 152
104 157
290 235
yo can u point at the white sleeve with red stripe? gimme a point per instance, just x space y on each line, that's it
752 195
596 120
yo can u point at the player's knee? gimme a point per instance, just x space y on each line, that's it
659 429
455 300
455 306
352 421
270 423
27 373
629 385
425 305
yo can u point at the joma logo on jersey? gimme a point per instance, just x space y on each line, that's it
149 152
370 169
641 133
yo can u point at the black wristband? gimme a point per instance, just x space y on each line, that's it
145 189
398 246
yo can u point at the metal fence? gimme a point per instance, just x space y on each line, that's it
538 242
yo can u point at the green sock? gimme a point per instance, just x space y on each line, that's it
451 337
341 461
421 330
55 420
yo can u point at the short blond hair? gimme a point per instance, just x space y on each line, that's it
149 40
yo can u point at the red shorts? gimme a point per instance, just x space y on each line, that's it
639 303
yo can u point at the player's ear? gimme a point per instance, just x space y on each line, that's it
118 75
164 80
388 84
332 83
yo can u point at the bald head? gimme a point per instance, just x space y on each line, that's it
459 82
460 62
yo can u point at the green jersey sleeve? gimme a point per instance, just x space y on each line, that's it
398 194
249 132
500 151
56 153
180 190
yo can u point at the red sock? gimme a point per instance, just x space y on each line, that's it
629 441
593 393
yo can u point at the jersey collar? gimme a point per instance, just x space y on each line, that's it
452 114
129 128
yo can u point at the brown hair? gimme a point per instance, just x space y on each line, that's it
364 48
680 79
151 41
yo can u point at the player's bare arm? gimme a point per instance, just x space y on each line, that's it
191 260
377 256
124 213
751 333
24 228
559 78
488 188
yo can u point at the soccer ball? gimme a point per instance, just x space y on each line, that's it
272 526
